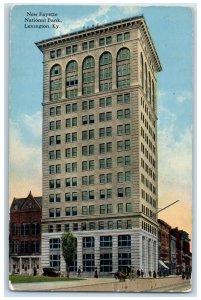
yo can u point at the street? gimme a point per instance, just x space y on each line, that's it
167 284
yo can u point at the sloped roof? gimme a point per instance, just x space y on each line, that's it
21 201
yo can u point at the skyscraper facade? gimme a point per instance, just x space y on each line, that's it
100 177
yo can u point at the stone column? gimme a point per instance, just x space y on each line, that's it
29 271
20 265
114 72
79 253
115 253
79 79
97 75
97 253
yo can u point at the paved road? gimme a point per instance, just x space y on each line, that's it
108 285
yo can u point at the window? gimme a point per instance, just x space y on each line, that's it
105 102
54 244
55 53
105 132
123 99
55 261
119 38
54 212
72 66
105 241
25 247
106 58
25 229
124 241
124 260
88 242
88 262
55 71
71 49
128 207
124 192
120 207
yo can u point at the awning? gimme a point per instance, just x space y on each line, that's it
162 264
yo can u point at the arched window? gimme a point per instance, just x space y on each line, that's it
142 71
123 68
72 79
25 229
15 229
55 83
35 228
88 75
105 69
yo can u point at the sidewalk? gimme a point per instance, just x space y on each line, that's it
109 285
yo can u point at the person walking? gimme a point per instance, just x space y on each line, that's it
79 272
96 273
138 273
154 274
142 273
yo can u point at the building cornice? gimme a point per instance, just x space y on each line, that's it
138 22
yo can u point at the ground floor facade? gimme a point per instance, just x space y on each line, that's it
25 265
106 251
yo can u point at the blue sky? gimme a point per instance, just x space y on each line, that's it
171 29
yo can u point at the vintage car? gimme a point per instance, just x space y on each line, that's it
51 272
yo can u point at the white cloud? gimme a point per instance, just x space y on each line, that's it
104 14
33 123
93 18
185 96
130 9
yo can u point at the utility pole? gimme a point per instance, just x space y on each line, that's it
167 206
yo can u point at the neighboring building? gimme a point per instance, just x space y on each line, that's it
25 235
100 177
164 247
173 254
183 256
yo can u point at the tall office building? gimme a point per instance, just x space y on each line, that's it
100 147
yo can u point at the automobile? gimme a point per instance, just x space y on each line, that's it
51 272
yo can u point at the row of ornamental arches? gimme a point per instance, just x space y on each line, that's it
88 75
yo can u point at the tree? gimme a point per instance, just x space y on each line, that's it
68 249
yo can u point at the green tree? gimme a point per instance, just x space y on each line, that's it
68 244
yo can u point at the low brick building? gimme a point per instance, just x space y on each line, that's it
183 253
164 247
25 235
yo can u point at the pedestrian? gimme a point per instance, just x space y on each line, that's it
34 271
149 273
96 273
183 275
154 274
142 273
79 272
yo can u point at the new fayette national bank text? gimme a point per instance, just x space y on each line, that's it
40 18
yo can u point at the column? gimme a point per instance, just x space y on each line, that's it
115 253
20 265
97 253
29 271
114 72
97 74
79 253
79 79
146 256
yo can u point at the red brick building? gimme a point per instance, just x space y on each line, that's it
164 246
183 253
25 235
